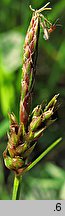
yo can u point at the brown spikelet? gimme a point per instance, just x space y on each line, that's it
29 66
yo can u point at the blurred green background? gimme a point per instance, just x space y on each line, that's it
47 179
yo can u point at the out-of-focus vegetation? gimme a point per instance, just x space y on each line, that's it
47 179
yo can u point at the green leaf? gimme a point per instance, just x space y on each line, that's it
4 126
11 46
57 10
54 172
43 154
7 98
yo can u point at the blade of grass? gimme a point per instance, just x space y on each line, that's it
43 154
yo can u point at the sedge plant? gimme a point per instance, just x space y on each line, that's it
23 137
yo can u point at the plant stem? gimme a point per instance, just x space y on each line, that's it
43 154
16 187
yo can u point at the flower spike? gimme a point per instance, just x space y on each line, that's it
23 136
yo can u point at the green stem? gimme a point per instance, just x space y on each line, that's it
43 154
16 187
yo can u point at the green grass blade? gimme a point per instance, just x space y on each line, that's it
43 154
